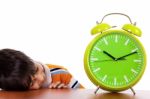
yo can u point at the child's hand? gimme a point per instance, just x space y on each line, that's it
58 85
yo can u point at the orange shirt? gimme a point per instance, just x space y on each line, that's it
61 74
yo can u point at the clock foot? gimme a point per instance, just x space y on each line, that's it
99 88
96 89
133 91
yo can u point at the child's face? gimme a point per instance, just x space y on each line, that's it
39 77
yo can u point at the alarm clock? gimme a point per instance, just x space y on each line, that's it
115 59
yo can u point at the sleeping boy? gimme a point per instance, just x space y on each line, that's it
20 72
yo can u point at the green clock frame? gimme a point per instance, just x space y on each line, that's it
114 57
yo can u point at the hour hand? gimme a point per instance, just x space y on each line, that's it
109 55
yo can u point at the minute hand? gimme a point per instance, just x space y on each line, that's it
126 55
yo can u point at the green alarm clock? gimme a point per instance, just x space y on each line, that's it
115 59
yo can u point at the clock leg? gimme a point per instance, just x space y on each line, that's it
133 91
96 89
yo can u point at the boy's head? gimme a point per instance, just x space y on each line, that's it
16 70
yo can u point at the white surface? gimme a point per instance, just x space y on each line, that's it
58 31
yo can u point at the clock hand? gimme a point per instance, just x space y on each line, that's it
103 60
109 55
126 55
108 60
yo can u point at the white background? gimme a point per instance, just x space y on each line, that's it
58 31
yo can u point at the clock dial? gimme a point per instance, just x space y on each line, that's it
116 60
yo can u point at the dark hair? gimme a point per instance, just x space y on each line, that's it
15 70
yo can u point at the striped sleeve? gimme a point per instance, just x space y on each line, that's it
61 74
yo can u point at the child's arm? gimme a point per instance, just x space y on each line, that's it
62 78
